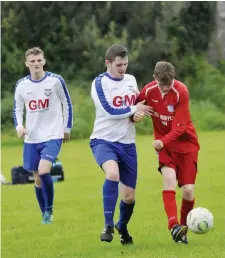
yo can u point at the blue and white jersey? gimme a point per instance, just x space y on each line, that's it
44 101
114 102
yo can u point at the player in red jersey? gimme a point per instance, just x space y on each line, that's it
175 141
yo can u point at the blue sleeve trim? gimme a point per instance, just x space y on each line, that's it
70 116
14 115
14 107
104 102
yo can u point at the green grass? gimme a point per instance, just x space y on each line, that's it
78 208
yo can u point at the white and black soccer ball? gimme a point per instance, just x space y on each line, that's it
200 220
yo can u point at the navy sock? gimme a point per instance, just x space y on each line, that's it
126 211
40 198
110 195
48 190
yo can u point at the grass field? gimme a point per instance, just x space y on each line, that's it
78 218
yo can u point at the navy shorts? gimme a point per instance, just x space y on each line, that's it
34 152
124 154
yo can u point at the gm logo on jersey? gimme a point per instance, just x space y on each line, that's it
38 105
119 101
170 108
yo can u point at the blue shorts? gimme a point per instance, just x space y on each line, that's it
124 154
34 152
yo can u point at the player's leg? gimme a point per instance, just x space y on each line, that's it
178 231
110 196
167 166
39 192
31 159
188 202
49 152
127 204
188 172
128 180
106 158
169 195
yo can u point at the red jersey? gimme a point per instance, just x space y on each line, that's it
171 120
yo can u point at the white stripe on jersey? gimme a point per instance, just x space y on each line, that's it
114 103
44 100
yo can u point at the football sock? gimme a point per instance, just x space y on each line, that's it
170 206
126 211
186 207
110 195
48 190
40 198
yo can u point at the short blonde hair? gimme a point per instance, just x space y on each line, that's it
34 51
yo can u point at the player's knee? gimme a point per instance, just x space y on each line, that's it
128 198
169 176
44 167
188 192
114 176
37 180
169 183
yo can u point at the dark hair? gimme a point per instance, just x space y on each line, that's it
34 51
114 51
164 72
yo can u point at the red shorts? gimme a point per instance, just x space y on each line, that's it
185 165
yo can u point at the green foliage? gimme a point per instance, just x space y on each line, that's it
76 36
206 116
204 81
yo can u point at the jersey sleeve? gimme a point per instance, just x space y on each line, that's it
143 93
18 109
64 96
103 101
181 119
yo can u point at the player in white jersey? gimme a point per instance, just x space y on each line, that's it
113 139
44 95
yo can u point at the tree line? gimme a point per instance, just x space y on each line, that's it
75 36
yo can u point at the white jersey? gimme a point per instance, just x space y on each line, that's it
44 100
114 101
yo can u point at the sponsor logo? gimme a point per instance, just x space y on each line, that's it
38 105
126 100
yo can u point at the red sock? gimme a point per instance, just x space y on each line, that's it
186 207
169 200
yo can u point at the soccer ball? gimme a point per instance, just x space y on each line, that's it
200 220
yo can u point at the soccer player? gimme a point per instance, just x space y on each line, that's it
175 141
113 139
44 95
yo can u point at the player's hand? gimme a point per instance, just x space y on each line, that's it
66 137
138 116
21 132
158 145
146 109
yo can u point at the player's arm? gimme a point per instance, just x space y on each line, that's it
64 96
181 119
141 96
103 101
18 113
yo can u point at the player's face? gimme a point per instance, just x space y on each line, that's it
164 88
118 67
35 63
